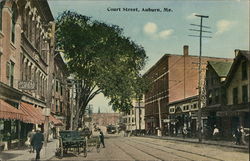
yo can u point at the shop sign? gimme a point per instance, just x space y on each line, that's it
46 111
166 120
27 85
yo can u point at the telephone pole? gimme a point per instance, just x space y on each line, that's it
199 68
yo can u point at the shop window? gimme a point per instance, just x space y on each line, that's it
235 96
244 94
244 70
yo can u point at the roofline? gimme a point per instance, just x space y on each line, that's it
168 55
235 62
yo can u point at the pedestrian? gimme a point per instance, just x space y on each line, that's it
29 140
101 136
215 133
237 135
243 134
184 132
37 141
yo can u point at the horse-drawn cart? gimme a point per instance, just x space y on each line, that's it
69 140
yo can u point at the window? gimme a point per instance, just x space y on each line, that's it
61 107
57 102
244 94
1 14
57 85
244 70
10 72
209 97
216 95
13 23
61 90
235 96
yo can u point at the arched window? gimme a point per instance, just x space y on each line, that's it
13 22
1 14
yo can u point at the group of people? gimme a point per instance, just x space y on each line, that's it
36 138
239 136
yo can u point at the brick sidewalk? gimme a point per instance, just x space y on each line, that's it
195 140
46 153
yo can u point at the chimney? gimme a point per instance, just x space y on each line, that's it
185 50
236 51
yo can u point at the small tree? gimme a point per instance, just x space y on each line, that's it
101 58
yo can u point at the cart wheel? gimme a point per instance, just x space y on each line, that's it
98 148
84 152
61 147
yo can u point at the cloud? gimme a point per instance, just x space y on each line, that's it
191 16
223 26
164 34
150 28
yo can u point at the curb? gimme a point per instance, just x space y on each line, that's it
197 142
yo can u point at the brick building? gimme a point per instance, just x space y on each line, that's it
26 50
173 78
105 119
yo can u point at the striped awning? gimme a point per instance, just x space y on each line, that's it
35 115
9 112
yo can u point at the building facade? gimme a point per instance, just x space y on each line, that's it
173 78
134 118
26 50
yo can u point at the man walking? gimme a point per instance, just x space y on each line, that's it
37 142
101 136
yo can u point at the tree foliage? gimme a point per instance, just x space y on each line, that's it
102 57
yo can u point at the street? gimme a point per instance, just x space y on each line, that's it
141 148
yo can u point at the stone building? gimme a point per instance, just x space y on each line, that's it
173 77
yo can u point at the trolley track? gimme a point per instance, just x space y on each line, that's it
176 149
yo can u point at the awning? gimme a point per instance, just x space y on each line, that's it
55 121
35 115
9 112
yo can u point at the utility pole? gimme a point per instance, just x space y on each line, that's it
199 77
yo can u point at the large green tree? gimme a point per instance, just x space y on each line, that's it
102 58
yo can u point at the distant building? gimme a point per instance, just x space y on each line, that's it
134 118
105 119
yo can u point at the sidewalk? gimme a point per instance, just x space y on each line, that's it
195 140
46 153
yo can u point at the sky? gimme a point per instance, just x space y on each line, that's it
167 32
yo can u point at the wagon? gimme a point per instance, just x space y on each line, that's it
93 142
69 140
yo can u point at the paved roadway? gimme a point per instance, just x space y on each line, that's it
140 148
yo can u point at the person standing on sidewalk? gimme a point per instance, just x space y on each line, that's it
216 133
184 132
30 136
101 136
37 141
